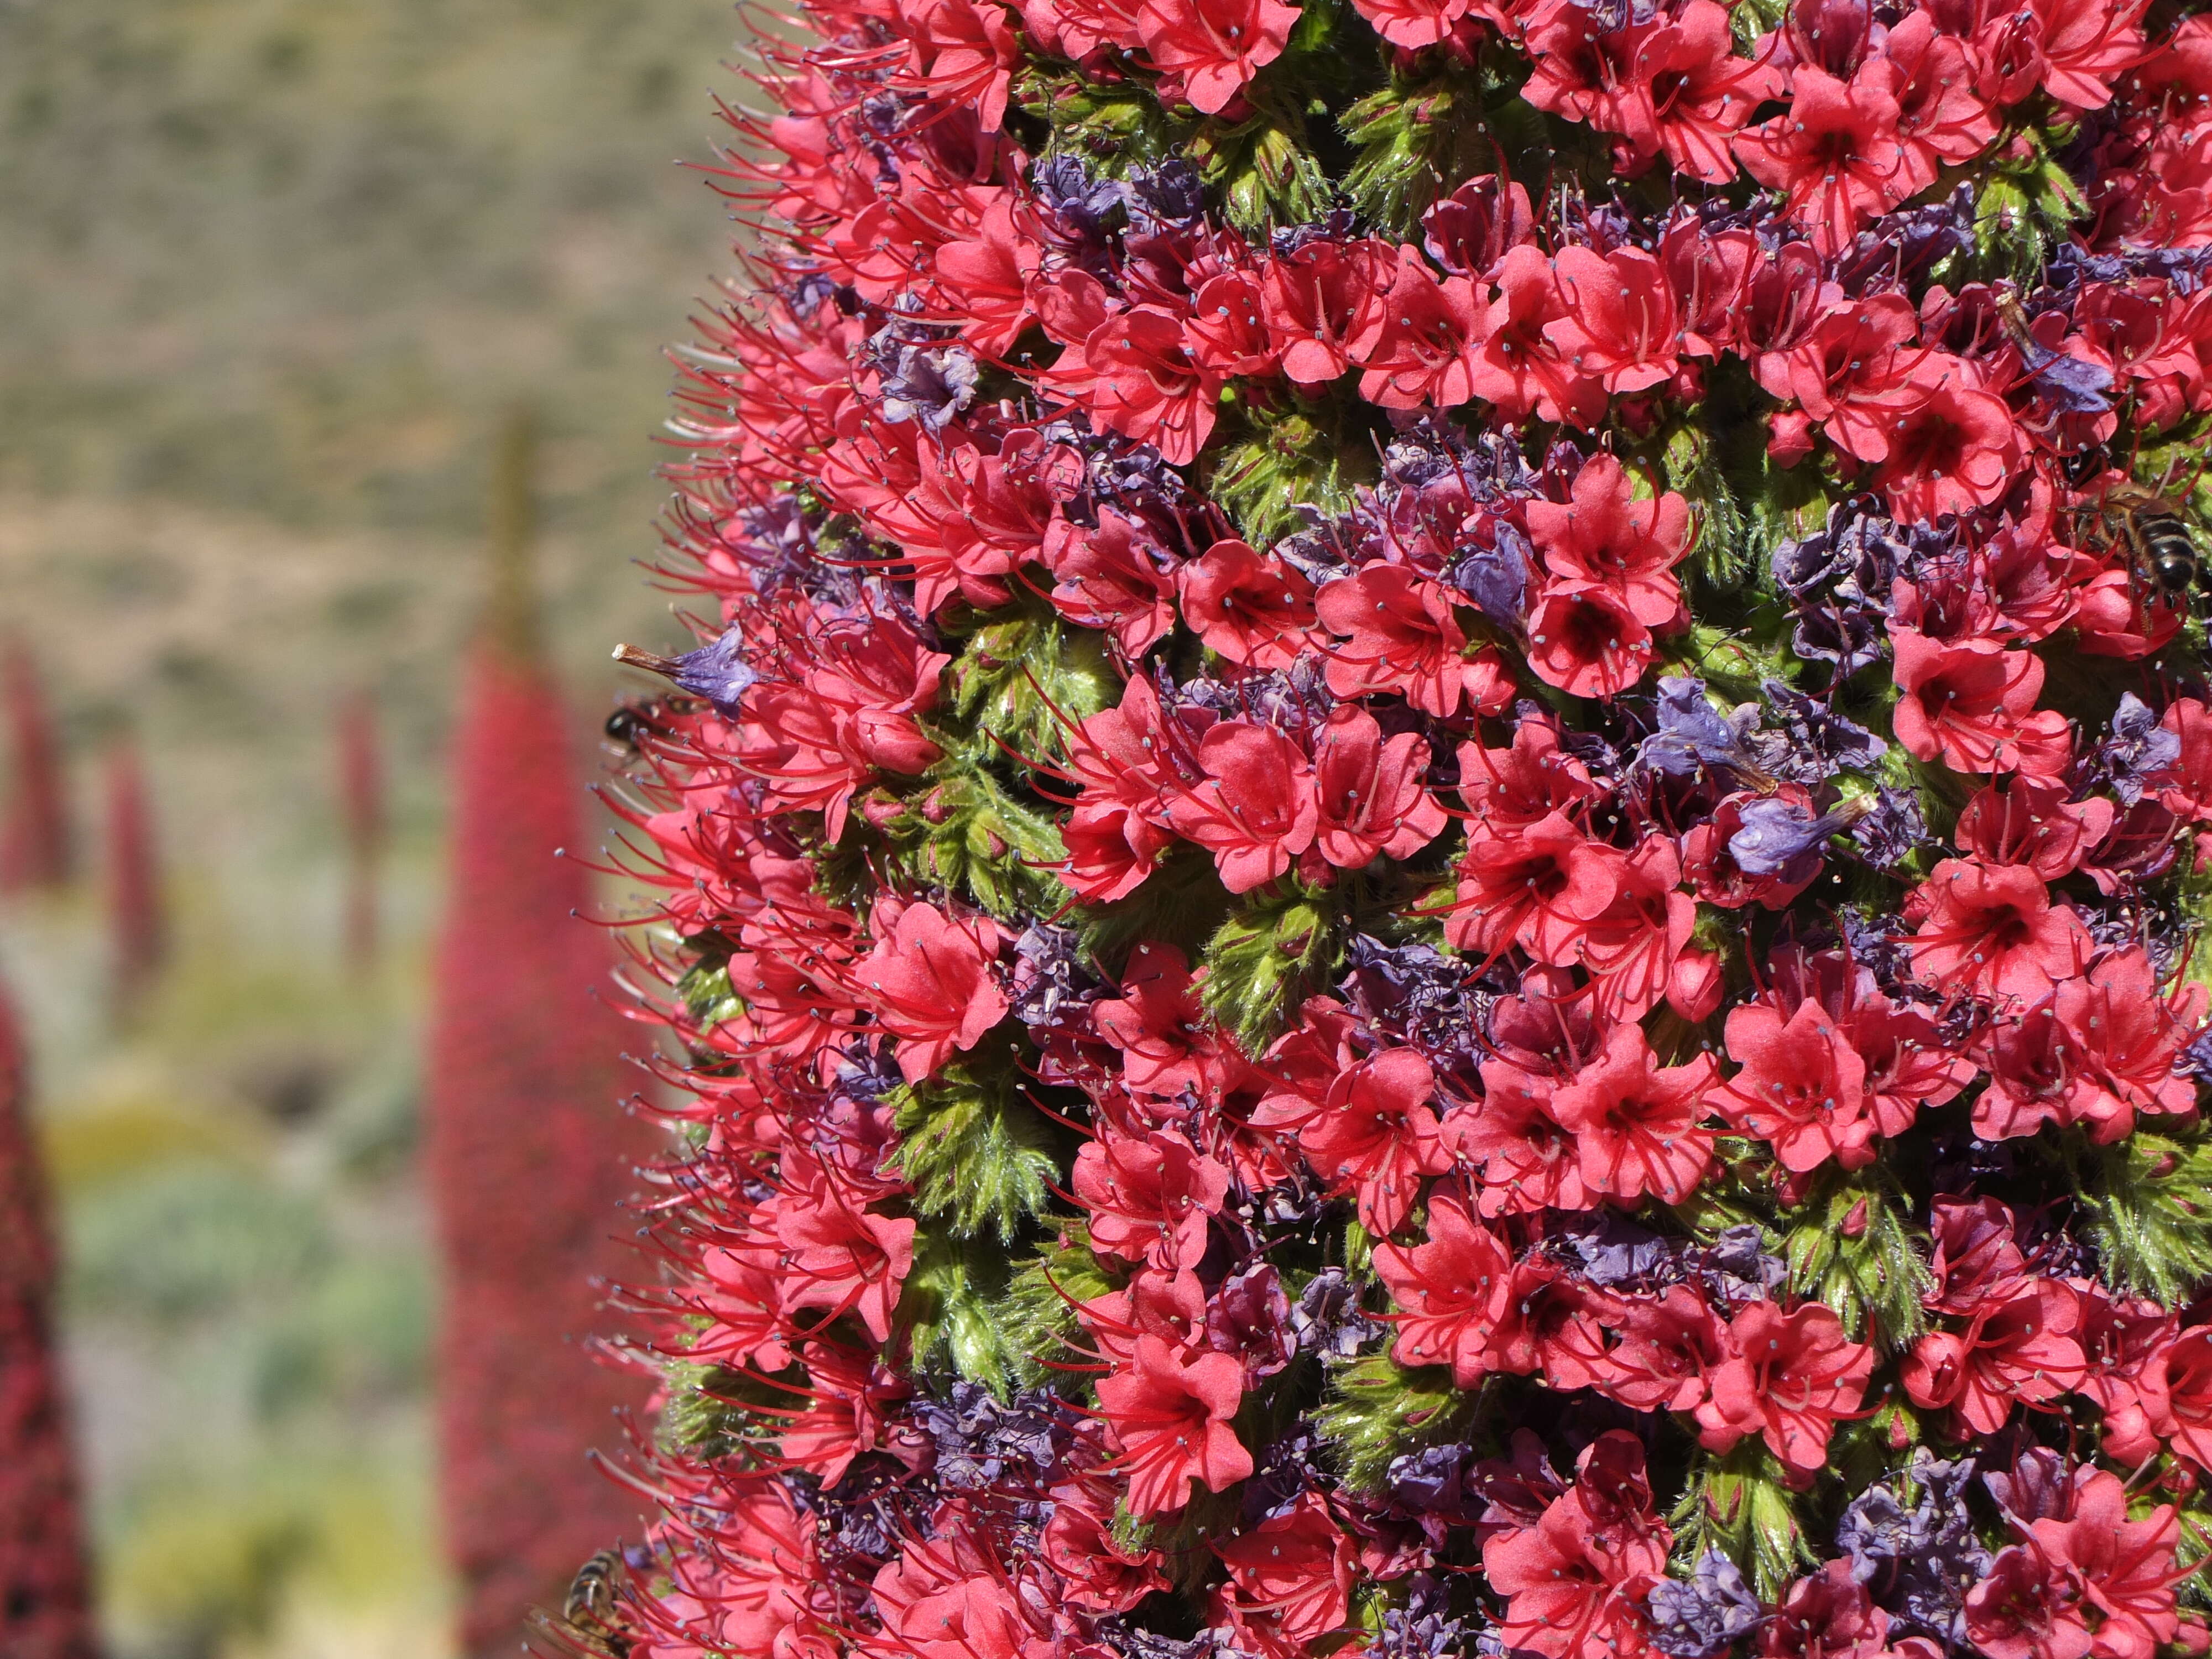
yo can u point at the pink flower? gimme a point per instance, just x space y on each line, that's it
1971 703
1418 351
1584 638
1452 1291
1538 887
1635 1122
1399 636
1149 1197
1414 23
1293 1572
1169 1414
1377 1134
1136 376
2018 1347
1115 578
1519 368
1214 46
1953 448
1604 535
1834 153
1255 811
1249 610
1319 298
1574 1583
1801 1089
1789 1378
1620 323
1992 929
1369 789
932 983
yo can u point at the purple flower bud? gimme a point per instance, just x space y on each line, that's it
2070 385
930 384
1496 577
1425 1627
1900 248
1777 837
1912 1542
1170 193
1337 225
1614 1252
1290 1467
1434 1482
1892 827
1692 735
716 672
1075 205
1250 1317
982 1444
1701 1617
2138 748
1822 741
1328 1319
1736 1269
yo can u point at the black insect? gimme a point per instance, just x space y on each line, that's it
589 1622
2161 546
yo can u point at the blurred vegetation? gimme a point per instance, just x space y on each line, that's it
272 270
284 256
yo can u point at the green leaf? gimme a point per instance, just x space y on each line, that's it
946 1310
1739 1503
2149 1204
968 833
713 1411
1265 960
1851 1246
1021 678
1266 174
1296 456
1179 904
1729 662
706 993
1720 559
1114 128
973 1152
1412 136
1375 1410
1036 1316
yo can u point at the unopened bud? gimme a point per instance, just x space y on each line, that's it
1855 1224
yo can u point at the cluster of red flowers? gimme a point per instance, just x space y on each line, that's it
1430 907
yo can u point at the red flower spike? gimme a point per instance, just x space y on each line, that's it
527 1155
1028 496
45 1600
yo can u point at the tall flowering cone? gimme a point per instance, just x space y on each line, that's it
137 904
361 815
1436 858
45 1603
34 837
528 1154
